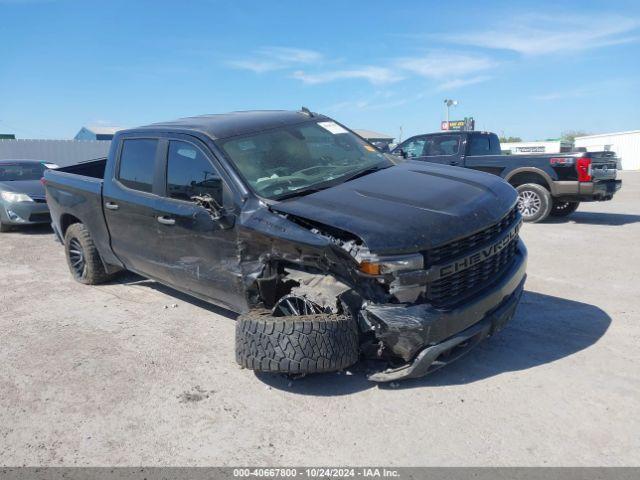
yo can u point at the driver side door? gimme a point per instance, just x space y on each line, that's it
200 247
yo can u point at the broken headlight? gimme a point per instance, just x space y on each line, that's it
391 264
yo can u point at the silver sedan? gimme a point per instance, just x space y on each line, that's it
22 196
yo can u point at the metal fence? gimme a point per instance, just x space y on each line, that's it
60 152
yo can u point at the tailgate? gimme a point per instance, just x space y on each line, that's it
604 166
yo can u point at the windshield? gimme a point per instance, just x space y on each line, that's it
298 158
10 172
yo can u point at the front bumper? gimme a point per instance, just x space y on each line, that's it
421 335
24 213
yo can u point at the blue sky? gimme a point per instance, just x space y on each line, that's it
531 69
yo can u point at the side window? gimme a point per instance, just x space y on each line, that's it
191 174
495 145
479 145
443 145
137 161
414 148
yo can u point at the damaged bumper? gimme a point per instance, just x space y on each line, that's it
428 338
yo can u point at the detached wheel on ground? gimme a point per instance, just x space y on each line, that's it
300 344
534 202
562 209
83 257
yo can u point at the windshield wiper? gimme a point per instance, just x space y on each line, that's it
330 183
363 172
301 192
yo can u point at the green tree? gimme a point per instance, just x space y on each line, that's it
570 135
510 139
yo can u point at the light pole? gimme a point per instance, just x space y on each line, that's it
449 103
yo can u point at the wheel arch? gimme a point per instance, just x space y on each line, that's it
520 176
66 220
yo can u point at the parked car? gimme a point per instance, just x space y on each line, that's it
327 248
22 198
547 184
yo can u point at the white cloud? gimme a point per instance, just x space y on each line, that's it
374 75
544 34
267 59
440 64
291 55
462 82
598 88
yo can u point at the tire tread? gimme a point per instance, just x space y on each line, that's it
297 344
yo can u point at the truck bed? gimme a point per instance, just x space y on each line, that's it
74 193
92 168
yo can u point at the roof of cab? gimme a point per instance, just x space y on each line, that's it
232 124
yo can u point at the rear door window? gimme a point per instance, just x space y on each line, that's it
137 161
480 145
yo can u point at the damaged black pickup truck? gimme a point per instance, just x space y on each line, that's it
328 249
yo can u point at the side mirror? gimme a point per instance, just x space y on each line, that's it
401 153
216 211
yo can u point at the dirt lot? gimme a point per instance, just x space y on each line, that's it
133 373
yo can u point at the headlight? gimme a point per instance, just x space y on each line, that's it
396 263
13 197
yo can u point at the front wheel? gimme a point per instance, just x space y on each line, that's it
562 209
297 344
534 202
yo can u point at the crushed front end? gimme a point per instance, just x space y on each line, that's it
415 312
463 292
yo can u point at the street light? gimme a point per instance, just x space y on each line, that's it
449 103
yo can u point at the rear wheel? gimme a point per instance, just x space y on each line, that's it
83 258
562 209
534 202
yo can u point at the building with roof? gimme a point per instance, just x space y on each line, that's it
60 152
527 148
374 136
97 133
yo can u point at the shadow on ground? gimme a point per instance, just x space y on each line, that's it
39 229
596 218
545 329
129 278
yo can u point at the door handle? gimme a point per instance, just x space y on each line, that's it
112 206
166 220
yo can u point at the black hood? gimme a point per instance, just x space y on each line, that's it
33 188
409 207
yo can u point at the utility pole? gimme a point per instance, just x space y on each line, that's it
448 102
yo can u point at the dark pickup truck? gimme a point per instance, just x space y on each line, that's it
329 249
547 184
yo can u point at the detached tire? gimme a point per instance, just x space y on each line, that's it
534 202
82 255
296 344
563 209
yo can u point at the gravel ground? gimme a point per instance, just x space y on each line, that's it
133 373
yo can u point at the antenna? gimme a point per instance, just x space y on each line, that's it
306 111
